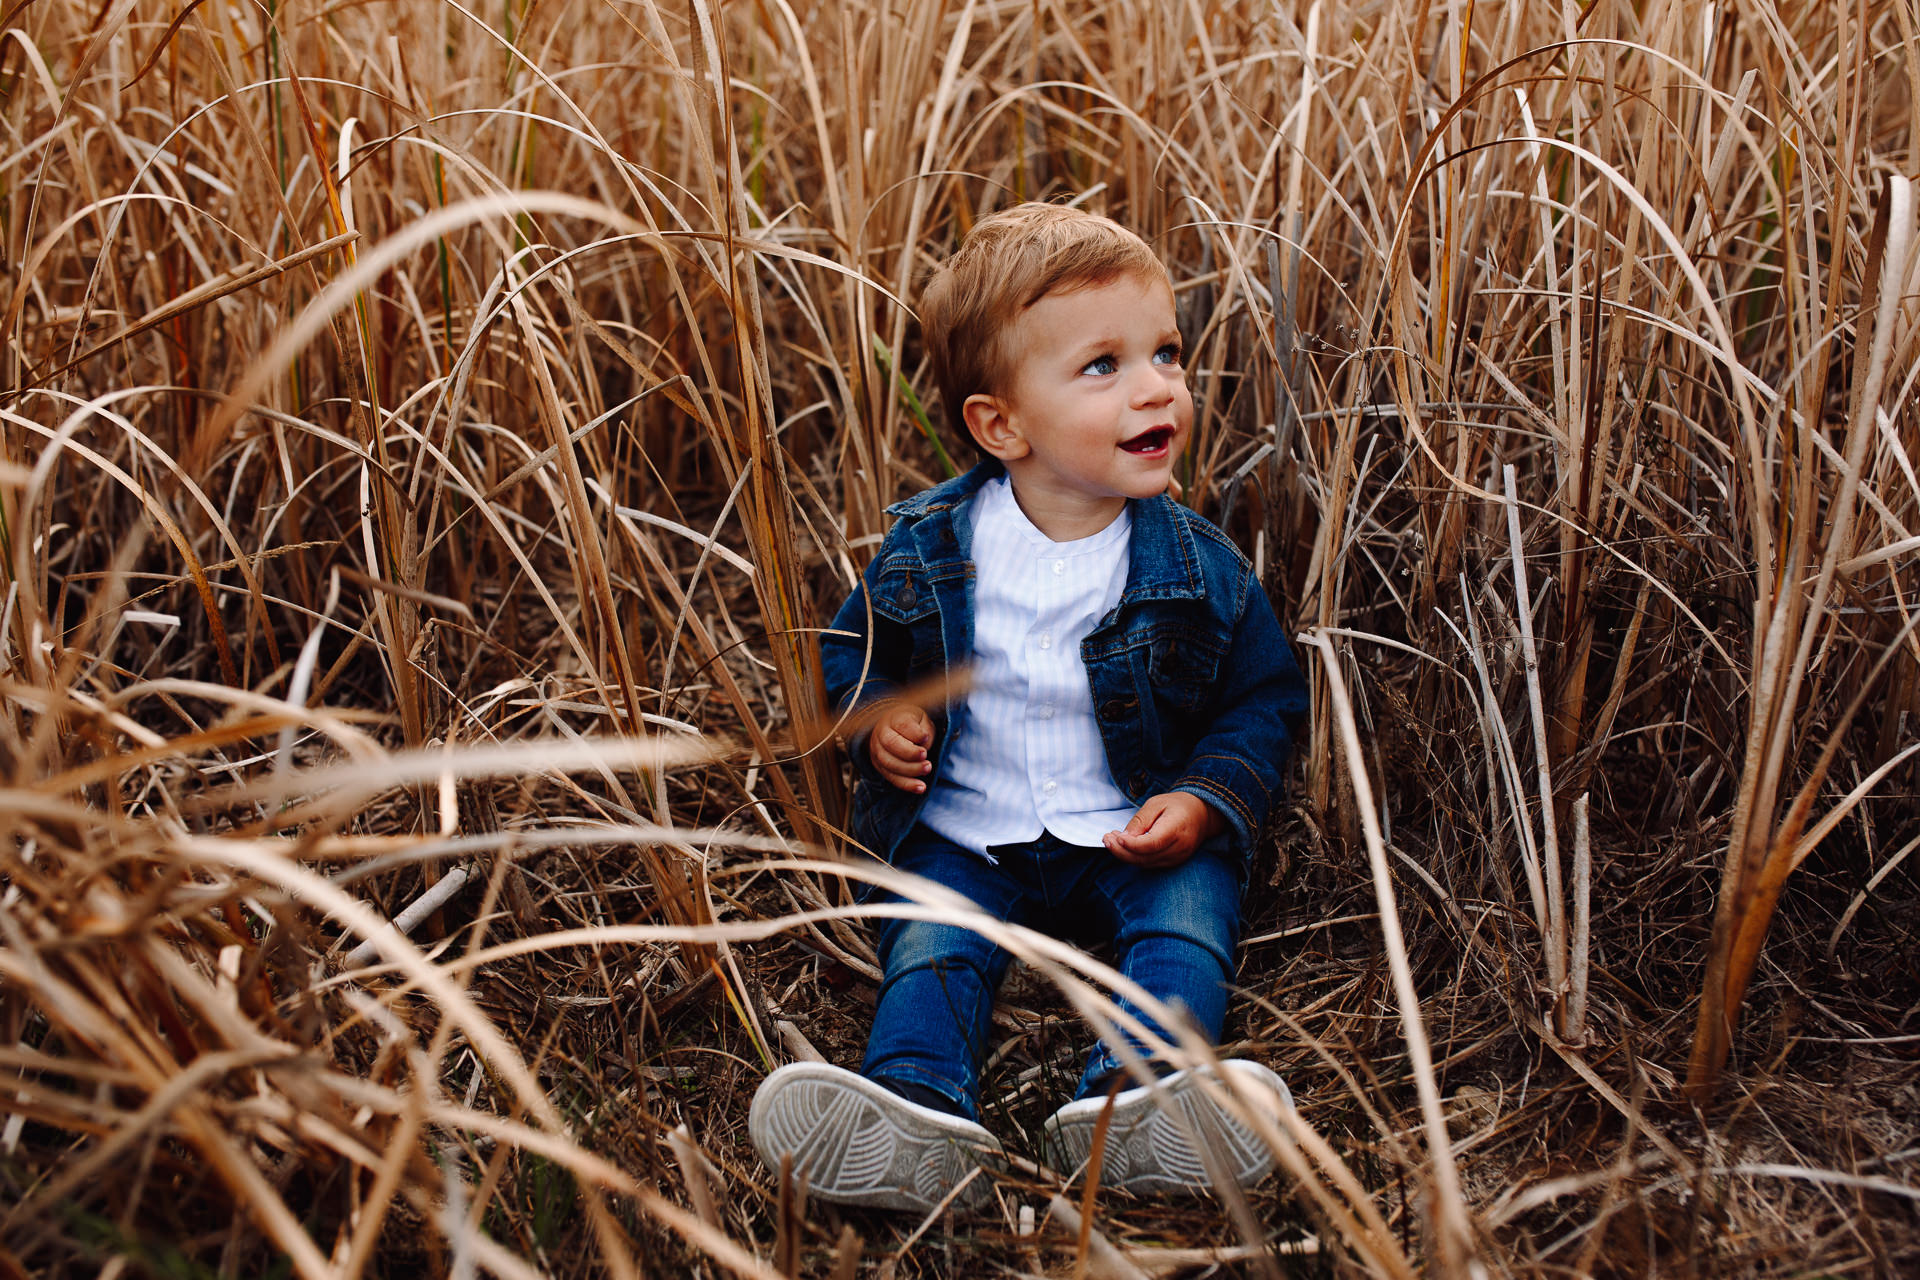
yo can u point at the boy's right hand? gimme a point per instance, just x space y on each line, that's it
898 746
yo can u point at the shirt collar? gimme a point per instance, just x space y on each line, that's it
999 492
1164 561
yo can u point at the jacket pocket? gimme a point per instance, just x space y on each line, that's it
903 596
908 613
1183 667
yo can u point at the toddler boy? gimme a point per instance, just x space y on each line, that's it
1128 716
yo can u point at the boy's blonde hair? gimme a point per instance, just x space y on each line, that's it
1008 262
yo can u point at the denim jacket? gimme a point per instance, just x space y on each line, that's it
1194 686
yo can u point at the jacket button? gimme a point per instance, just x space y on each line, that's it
904 596
1137 783
1115 708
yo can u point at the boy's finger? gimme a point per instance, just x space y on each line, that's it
902 770
1146 816
902 748
1150 855
912 728
1157 840
1135 845
905 775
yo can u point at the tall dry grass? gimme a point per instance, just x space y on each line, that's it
433 435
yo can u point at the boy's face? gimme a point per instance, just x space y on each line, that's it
1096 408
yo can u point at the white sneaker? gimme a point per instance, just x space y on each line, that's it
1151 1138
861 1143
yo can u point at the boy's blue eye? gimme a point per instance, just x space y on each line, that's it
1102 365
1169 354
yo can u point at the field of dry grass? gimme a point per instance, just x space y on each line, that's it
431 436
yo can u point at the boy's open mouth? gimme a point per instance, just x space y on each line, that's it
1150 441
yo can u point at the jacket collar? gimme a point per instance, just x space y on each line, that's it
948 494
1164 563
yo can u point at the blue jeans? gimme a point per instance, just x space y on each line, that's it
1174 931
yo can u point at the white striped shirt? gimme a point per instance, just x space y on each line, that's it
1030 756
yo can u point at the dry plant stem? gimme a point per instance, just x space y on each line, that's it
1581 940
402 1148
409 919
1090 1192
1885 869
934 1215
1759 855
1555 941
454 1002
1168 1261
1503 774
799 1048
1095 1255
1453 1230
789 1204
694 1171
846 1264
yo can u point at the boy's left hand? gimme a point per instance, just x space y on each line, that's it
1165 831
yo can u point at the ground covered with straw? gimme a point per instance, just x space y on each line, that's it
431 437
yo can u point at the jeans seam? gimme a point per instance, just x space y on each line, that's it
908 1073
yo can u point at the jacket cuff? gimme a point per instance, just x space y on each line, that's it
1232 787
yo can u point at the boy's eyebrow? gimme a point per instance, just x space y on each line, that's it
1102 342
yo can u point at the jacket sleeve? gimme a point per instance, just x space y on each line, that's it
1239 765
854 661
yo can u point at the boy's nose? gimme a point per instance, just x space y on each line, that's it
1151 387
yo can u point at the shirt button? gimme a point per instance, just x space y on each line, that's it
1059 566
1046 712
1051 786
1046 639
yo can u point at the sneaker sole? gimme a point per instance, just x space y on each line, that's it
860 1143
1150 1140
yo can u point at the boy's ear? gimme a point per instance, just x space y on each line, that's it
993 428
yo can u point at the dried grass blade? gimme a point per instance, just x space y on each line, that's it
200 295
1759 857
1453 1229
1556 922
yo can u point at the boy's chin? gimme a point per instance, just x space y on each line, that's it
1151 486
